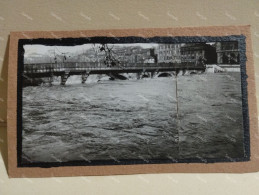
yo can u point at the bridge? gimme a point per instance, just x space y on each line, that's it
66 69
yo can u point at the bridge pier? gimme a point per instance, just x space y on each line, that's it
183 71
138 75
141 74
152 74
177 72
51 79
64 78
85 75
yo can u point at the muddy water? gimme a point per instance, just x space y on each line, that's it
134 119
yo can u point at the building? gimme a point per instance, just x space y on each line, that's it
169 53
227 52
135 55
194 52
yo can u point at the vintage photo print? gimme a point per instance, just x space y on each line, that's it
132 100
139 101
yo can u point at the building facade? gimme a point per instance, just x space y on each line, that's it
227 53
197 52
169 53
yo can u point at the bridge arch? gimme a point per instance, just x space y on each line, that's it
165 74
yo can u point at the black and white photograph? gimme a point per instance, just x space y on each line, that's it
122 102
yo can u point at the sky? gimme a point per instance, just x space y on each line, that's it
32 50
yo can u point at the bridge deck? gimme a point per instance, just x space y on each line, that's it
47 69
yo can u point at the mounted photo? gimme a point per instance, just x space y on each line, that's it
131 101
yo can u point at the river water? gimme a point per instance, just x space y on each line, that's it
134 119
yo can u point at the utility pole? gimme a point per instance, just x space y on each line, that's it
177 111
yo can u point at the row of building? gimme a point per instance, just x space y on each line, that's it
212 53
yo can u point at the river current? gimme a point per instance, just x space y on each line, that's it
134 119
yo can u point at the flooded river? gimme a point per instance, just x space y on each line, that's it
134 119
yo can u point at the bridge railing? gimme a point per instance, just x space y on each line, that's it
88 66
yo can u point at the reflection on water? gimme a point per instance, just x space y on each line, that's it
134 119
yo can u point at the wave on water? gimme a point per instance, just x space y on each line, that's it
134 119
